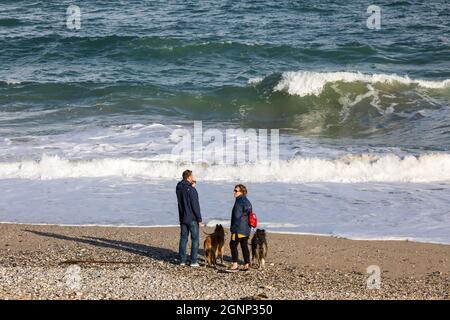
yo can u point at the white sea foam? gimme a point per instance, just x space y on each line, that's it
255 81
357 211
12 81
348 169
304 83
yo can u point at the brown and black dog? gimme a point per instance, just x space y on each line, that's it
214 246
259 248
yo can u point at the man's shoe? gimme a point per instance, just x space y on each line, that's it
231 270
195 265
182 263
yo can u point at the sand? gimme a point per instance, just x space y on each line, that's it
56 262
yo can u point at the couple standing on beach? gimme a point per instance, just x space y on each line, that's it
191 219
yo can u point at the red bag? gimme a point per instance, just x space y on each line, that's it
252 220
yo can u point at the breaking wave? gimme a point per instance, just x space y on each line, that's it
329 104
349 169
304 83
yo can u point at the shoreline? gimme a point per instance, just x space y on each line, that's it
139 263
294 233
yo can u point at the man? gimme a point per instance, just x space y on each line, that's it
190 217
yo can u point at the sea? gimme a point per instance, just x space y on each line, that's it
91 93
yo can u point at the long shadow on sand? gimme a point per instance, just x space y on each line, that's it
156 253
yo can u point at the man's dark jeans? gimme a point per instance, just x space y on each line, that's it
184 235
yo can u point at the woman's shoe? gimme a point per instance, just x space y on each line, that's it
231 270
246 267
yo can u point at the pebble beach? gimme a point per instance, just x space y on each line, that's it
56 262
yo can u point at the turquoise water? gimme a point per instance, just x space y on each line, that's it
186 60
353 105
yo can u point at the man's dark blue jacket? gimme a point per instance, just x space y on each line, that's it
188 205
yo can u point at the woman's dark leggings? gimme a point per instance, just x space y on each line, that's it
244 246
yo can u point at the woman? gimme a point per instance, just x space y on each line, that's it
240 229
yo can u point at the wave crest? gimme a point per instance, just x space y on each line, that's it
305 83
348 169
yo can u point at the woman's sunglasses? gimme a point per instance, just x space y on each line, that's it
236 191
